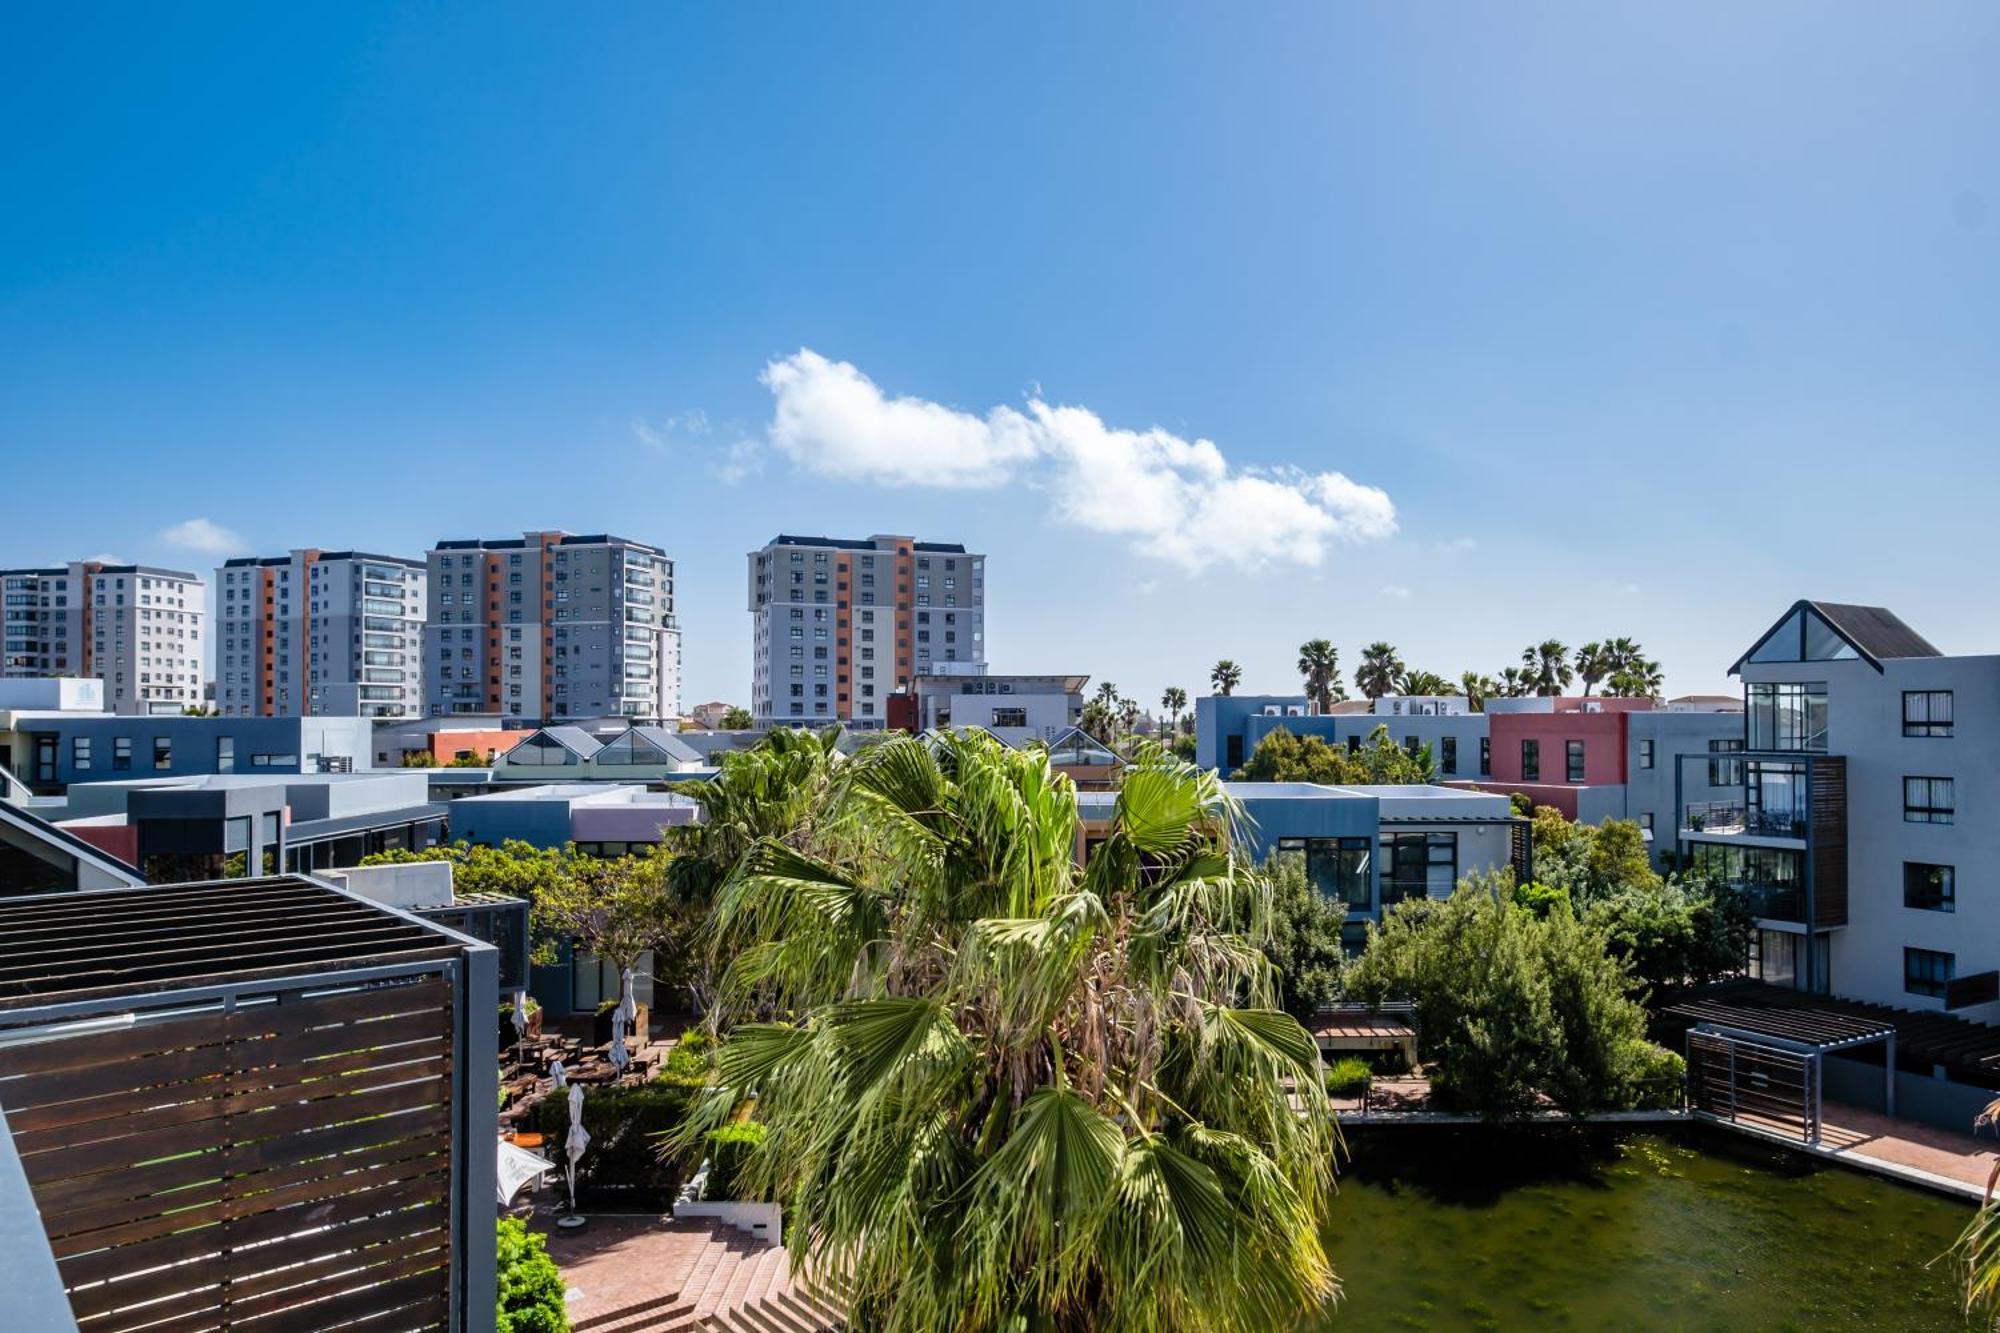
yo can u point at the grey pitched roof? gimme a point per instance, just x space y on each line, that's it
669 744
1876 633
1875 630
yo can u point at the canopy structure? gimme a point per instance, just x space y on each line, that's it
1755 1053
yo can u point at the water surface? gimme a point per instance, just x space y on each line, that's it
1698 1230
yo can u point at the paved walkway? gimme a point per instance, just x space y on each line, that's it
1941 1159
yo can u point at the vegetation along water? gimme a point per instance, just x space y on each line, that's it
1696 1230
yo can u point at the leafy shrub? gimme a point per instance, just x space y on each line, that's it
531 1287
1657 1074
729 1149
1348 1076
623 1162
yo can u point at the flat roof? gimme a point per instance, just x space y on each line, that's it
62 947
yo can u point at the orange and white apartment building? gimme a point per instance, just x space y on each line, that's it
839 624
550 626
320 634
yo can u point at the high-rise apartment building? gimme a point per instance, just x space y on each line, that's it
320 633
551 626
136 628
839 624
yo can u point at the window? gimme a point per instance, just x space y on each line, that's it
1485 756
163 752
1010 717
1573 761
225 754
1337 868
1787 716
79 752
1724 772
1448 755
1927 801
1646 821
1645 754
1925 971
1927 712
1419 865
121 754
1531 761
1928 888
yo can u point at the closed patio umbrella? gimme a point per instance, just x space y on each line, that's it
558 1076
574 1144
618 1055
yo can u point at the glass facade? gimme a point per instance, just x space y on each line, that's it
1418 865
1337 868
1772 879
1786 715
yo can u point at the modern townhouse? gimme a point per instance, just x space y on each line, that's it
320 632
52 750
1228 728
838 624
1013 707
134 627
1863 800
551 626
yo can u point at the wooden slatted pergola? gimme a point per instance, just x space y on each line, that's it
251 1103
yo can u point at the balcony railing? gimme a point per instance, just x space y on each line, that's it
1733 817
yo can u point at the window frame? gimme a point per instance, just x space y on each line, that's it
1926 808
1573 762
1917 979
1531 759
1930 726
1945 900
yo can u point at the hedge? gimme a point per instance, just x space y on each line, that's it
729 1150
531 1287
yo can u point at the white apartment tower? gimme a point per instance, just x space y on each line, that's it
838 625
551 626
136 628
320 633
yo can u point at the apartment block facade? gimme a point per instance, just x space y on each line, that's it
136 628
839 624
320 633
551 626
1866 770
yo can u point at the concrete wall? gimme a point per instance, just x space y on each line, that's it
1930 1101
410 885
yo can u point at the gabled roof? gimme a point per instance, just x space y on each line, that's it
671 749
1078 747
67 843
574 739
1875 633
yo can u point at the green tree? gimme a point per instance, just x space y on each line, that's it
1513 1008
531 1286
1422 683
737 719
1304 941
1385 763
1225 676
515 868
1284 756
1478 687
1319 663
1515 684
1379 670
1675 935
419 759
1099 722
619 908
768 791
1174 701
1546 668
1593 663
1013 1093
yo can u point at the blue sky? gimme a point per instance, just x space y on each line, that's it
1642 321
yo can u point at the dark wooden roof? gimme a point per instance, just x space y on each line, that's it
1969 1050
62 947
1875 630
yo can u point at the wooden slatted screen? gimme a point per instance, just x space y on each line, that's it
1734 1079
278 1166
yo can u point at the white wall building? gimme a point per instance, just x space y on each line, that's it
136 628
1868 778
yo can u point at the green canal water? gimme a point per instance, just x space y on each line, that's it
1698 1230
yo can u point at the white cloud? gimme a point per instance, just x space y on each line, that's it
205 535
1395 590
1457 545
1175 499
740 461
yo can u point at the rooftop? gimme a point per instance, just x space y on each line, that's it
65 947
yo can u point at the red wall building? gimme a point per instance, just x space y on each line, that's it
1547 756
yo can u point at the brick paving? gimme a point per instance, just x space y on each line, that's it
1850 1131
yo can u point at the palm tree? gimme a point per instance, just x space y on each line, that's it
1379 670
1225 676
1107 694
1640 679
1547 666
1319 663
1098 721
1478 687
1128 716
1016 1093
1594 661
1422 683
1515 683
1174 701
